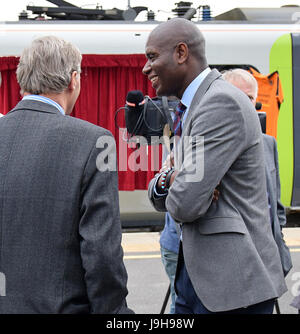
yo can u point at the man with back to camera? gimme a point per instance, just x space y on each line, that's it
228 260
60 228
246 82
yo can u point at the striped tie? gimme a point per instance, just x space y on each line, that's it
180 109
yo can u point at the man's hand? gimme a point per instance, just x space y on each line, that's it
168 163
216 195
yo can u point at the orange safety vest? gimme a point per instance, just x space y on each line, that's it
270 95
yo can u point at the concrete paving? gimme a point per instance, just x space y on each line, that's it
148 282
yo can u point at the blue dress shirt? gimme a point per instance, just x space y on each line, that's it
44 99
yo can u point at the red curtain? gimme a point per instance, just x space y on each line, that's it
9 89
105 82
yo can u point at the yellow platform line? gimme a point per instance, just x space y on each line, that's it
292 242
134 257
132 247
157 256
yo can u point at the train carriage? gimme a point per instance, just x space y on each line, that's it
266 44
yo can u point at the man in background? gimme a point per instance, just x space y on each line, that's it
245 81
60 230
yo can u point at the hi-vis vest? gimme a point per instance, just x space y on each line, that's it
270 94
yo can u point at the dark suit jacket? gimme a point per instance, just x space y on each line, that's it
60 231
277 211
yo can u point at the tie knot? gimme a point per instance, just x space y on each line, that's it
180 109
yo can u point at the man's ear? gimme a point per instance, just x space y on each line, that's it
181 52
73 82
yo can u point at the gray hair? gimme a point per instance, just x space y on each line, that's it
47 64
238 74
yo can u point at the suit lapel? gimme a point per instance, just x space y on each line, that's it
211 77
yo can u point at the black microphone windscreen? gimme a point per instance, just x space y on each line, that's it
258 105
135 96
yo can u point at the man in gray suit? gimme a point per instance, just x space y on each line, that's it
245 81
228 260
60 231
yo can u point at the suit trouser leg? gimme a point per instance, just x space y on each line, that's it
187 301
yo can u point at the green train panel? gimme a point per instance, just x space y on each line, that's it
285 58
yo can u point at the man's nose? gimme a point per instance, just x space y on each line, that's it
147 68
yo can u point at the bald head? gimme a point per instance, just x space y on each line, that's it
243 80
178 30
176 55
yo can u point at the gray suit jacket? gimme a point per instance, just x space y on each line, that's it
277 211
60 231
229 251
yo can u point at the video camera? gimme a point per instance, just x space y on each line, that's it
147 117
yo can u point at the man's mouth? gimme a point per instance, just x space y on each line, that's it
154 80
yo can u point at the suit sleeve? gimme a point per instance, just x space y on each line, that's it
215 141
100 232
157 200
280 208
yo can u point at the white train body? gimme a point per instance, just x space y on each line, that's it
226 43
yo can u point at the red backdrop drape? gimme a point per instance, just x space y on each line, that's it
105 82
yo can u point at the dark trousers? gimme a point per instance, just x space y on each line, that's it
187 301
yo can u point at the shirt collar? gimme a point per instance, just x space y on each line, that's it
45 100
190 91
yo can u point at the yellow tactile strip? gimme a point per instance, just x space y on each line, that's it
143 245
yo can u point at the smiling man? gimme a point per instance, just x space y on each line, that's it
228 259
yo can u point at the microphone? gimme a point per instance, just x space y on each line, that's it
135 98
134 107
258 105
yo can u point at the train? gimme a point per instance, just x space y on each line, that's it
255 38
